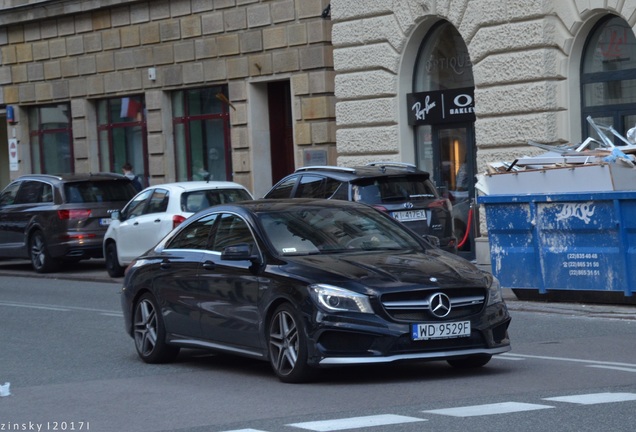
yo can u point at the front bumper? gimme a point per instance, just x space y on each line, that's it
346 340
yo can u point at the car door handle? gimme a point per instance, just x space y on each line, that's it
136 223
165 265
209 265
157 220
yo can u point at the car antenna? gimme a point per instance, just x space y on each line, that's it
207 178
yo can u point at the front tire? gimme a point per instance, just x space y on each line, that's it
471 362
288 346
41 259
149 332
113 267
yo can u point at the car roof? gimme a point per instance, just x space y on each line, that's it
72 177
276 204
378 169
188 186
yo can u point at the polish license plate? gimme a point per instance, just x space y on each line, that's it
446 330
105 221
409 215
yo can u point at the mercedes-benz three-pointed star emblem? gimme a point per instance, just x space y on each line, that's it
439 304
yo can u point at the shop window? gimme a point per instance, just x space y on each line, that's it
201 134
50 137
608 77
121 125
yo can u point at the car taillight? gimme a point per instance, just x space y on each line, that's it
176 220
443 203
73 214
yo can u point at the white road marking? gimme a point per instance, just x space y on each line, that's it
488 409
595 398
624 369
53 308
244 430
57 307
572 360
356 422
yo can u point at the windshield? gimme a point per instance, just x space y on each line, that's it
330 230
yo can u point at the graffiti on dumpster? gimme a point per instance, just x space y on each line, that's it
582 264
579 211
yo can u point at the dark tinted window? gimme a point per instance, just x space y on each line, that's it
284 189
199 200
394 189
158 201
9 194
33 192
98 191
195 235
232 230
312 186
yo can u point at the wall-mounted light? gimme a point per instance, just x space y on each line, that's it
152 74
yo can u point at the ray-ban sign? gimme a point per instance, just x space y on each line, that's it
443 106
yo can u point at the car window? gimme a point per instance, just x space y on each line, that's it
231 230
136 207
9 194
386 190
198 200
158 201
98 191
195 235
311 186
31 192
283 189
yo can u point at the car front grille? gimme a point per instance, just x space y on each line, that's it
416 305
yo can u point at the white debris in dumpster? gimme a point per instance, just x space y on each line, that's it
592 166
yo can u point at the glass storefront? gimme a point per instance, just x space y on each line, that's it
442 107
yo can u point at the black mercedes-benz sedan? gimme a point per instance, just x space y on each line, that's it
305 284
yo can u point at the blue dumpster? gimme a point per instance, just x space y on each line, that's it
563 241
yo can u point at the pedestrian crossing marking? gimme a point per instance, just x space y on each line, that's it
488 409
595 398
356 422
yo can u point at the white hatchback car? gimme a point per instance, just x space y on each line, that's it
155 211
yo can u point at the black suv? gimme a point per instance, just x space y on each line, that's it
399 189
54 218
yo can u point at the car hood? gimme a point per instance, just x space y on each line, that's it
387 270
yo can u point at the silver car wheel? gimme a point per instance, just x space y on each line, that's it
145 327
283 342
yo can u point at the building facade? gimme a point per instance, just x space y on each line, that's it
183 89
454 85
248 90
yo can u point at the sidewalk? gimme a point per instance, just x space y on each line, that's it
95 271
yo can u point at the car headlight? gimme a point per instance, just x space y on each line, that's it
335 299
494 291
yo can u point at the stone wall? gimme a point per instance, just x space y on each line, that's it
77 51
526 59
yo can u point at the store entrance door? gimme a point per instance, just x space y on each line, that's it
454 170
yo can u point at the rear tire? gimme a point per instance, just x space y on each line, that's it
149 332
112 261
471 362
41 259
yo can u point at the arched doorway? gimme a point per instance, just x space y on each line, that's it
608 77
441 110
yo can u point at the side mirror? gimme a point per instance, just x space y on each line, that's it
237 252
434 240
115 215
